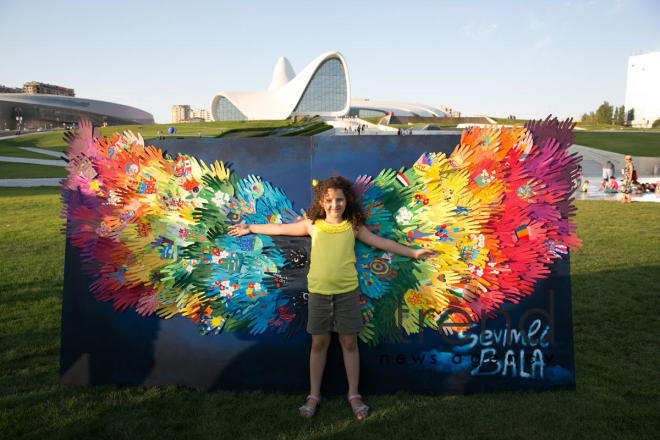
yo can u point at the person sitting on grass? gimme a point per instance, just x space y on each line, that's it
604 185
585 186
612 186
638 188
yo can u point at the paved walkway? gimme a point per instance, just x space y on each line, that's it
55 163
594 159
595 193
6 135
51 181
341 124
44 151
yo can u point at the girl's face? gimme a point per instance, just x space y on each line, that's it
333 203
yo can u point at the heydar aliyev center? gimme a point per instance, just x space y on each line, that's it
321 88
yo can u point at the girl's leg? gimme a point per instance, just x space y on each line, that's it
317 357
349 348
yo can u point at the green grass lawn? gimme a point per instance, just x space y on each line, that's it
11 170
194 128
615 311
373 119
52 140
598 126
376 119
584 125
509 121
636 144
421 124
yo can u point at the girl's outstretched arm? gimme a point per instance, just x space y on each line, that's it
300 228
365 236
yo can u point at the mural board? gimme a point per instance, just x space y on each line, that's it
521 346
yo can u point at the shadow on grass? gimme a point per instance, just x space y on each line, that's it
29 292
153 413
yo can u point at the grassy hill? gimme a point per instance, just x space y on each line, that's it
634 143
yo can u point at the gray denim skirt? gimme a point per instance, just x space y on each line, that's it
334 313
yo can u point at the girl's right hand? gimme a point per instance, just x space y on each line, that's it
239 230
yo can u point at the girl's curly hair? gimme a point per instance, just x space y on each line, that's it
353 211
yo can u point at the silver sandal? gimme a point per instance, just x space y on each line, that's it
309 411
357 410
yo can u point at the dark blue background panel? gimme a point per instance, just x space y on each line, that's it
525 346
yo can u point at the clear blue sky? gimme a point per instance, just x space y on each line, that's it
527 58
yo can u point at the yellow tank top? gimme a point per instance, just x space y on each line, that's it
332 263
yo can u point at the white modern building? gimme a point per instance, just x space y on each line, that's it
45 111
321 88
364 108
643 88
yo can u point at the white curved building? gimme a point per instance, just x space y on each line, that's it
364 108
321 88
43 111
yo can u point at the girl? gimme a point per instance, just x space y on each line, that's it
334 221
612 186
604 185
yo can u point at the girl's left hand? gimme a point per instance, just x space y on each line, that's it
239 230
423 254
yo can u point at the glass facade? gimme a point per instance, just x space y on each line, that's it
367 113
226 111
35 116
326 92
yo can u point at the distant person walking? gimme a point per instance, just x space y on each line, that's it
626 186
608 170
579 177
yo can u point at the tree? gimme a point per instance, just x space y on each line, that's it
630 117
604 113
621 120
615 119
